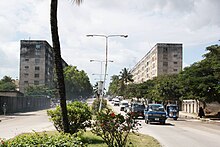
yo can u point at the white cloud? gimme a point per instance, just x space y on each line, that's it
195 23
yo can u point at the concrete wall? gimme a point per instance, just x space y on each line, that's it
190 106
23 104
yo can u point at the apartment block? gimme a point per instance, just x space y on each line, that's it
36 64
163 58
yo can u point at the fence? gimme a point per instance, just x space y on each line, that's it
23 104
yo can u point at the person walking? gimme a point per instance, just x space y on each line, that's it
201 112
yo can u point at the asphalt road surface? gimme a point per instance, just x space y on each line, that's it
13 125
182 133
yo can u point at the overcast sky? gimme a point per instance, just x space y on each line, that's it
195 23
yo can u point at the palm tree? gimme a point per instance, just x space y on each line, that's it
58 61
125 77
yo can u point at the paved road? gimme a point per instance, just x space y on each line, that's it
19 123
182 133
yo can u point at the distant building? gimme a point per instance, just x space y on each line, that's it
163 58
36 64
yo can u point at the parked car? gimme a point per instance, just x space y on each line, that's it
123 104
155 113
116 102
137 110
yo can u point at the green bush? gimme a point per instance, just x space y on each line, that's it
79 117
43 140
114 128
96 103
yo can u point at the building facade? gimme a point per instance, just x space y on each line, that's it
36 64
163 58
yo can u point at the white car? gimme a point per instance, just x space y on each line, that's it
116 102
123 104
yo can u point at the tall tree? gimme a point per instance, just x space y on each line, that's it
125 77
7 84
77 83
114 85
58 61
201 80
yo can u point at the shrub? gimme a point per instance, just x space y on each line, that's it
79 117
96 103
44 140
113 128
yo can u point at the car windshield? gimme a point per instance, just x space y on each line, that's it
156 108
139 105
173 107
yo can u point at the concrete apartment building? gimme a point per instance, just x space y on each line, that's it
163 58
36 64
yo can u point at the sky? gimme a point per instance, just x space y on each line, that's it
194 23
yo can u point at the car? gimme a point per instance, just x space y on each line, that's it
123 104
116 101
155 113
137 110
127 109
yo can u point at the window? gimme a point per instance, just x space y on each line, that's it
37 61
37 46
175 55
165 56
26 59
165 70
175 70
165 50
25 82
165 63
26 74
153 65
36 82
37 52
174 62
36 75
37 68
26 67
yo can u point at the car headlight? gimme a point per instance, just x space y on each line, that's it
150 114
163 115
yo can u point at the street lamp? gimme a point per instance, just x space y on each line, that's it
101 61
106 59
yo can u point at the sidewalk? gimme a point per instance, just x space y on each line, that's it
195 116
6 117
188 115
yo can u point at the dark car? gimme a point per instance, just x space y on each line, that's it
155 113
172 111
137 110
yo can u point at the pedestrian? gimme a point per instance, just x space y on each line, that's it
201 112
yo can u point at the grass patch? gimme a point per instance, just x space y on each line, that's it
134 140
91 140
140 140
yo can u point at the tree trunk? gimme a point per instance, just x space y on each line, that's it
58 64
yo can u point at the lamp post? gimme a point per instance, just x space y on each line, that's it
106 59
101 61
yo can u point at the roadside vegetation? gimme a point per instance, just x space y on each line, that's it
105 129
198 81
53 138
